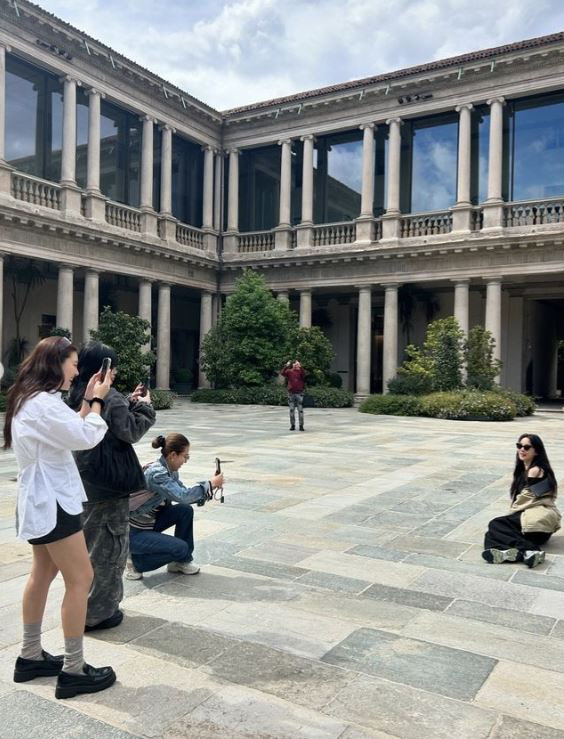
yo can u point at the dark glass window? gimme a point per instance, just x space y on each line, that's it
82 101
380 159
536 139
337 177
157 151
259 188
429 166
34 115
187 181
120 154
480 154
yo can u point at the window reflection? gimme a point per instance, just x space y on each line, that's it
480 154
259 188
82 101
34 114
337 177
120 154
187 181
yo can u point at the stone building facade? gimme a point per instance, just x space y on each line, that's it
371 205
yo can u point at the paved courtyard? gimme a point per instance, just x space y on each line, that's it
342 593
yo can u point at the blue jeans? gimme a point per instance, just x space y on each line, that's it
150 550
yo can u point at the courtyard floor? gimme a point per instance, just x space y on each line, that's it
342 593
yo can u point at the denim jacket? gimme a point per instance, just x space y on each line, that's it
167 487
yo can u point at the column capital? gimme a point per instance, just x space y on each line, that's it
284 141
460 281
165 284
307 137
233 150
464 106
363 287
70 78
397 120
389 286
6 47
92 271
493 280
209 147
94 91
304 290
364 126
500 99
146 117
168 127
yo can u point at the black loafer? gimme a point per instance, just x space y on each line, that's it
108 623
91 680
28 669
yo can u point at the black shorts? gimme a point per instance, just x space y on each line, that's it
67 525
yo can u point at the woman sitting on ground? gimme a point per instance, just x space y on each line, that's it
533 516
152 512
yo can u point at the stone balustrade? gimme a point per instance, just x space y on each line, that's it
123 216
426 224
531 213
334 233
256 241
189 236
36 191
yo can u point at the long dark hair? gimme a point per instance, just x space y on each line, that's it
89 362
41 371
540 461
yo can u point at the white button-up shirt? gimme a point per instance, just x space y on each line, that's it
44 431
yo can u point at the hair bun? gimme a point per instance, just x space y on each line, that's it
158 442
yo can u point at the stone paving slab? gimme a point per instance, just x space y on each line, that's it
502 616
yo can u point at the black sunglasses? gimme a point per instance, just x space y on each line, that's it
525 447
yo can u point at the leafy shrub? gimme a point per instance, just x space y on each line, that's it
334 379
469 405
481 367
162 399
314 351
410 384
59 331
2 402
524 403
323 397
392 405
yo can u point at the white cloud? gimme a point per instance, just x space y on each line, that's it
233 52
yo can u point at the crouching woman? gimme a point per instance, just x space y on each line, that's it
533 516
165 502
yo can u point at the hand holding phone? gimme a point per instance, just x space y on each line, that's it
105 368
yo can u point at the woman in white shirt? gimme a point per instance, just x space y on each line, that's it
43 431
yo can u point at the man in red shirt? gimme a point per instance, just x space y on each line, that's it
295 375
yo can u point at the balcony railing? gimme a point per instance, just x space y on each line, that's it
534 213
256 241
33 190
123 216
477 219
189 236
426 224
334 233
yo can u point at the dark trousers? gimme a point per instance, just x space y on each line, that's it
296 400
106 529
505 532
152 549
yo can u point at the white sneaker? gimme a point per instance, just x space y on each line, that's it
186 568
533 557
130 572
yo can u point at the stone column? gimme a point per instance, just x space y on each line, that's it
163 338
493 314
205 326
1 304
91 306
65 294
5 169
493 207
462 211
282 232
364 342
217 198
70 194
461 304
390 348
365 222
283 297
148 216
231 238
391 222
305 308
95 202
145 309
210 238
305 229
168 223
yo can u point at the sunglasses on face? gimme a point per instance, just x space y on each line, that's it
524 447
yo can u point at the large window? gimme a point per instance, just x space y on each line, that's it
429 164
380 159
34 116
82 101
259 188
480 154
337 177
187 181
536 142
120 154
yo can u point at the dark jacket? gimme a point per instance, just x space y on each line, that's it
296 379
112 469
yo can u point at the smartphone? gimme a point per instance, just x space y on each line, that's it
106 367
144 386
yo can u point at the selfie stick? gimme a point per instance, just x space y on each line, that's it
218 463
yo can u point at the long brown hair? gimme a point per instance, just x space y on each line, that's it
172 443
41 371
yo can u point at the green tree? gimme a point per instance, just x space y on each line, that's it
481 367
314 351
128 336
252 337
59 331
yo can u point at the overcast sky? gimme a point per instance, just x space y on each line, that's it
234 52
